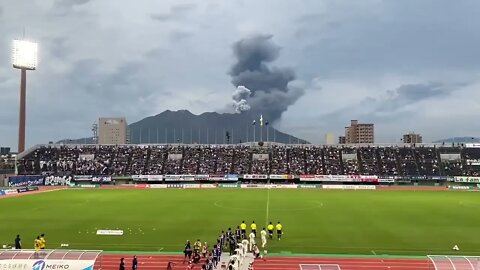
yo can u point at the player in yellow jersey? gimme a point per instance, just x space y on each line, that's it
243 229
279 230
254 228
37 243
43 243
270 228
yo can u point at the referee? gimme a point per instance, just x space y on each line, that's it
279 230
243 228
254 228
270 230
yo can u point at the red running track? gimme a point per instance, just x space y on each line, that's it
149 262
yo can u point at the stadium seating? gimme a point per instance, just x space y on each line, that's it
391 160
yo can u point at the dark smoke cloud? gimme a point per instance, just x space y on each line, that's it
273 89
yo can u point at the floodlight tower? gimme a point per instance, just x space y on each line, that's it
24 58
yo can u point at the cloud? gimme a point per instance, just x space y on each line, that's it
271 89
176 12
99 58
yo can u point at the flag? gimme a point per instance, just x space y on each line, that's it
254 122
261 120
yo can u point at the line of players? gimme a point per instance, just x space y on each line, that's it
39 242
230 240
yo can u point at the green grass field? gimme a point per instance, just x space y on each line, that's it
315 221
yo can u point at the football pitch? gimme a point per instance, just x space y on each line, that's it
314 221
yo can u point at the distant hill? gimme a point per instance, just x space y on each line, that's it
459 140
207 128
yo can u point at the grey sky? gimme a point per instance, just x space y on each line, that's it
406 65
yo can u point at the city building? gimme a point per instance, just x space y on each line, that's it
330 138
341 140
412 137
112 130
359 133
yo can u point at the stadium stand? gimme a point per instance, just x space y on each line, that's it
391 160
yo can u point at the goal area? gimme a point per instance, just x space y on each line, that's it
320 267
451 262
25 259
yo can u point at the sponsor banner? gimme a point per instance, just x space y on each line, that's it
255 176
157 186
466 179
174 185
282 186
101 179
216 177
208 186
231 177
461 187
57 180
252 186
356 187
309 186
338 178
15 264
83 177
307 177
26 189
109 232
179 177
267 186
10 191
229 185
25 180
347 178
202 177
191 185
386 180
87 186
147 177
122 177
281 176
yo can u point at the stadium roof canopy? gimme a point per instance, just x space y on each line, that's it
442 262
55 254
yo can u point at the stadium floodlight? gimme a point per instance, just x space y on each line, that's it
25 54
24 58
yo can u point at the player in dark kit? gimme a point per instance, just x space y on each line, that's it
18 243
134 263
232 243
122 264
238 234
216 256
187 251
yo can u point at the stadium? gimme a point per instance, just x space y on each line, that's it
370 205
223 165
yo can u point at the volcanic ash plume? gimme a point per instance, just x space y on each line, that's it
270 89
240 96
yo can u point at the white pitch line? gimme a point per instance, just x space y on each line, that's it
373 252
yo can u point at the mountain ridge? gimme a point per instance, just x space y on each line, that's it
182 126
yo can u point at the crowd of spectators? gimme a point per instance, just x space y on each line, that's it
247 159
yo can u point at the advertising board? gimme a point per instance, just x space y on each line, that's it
280 176
355 187
46 264
466 179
